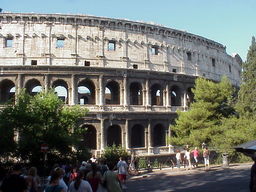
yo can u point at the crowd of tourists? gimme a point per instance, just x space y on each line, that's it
90 176
191 158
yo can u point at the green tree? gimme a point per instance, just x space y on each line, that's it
246 104
43 119
213 102
112 154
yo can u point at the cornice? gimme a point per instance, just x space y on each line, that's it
103 22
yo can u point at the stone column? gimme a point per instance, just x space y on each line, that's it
46 82
101 89
185 99
164 96
148 94
102 131
125 102
73 90
149 137
167 95
166 58
146 137
19 83
126 134
49 54
101 42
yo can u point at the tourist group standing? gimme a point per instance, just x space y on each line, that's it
190 158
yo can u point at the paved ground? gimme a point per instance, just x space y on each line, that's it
217 179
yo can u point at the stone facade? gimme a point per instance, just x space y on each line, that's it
131 76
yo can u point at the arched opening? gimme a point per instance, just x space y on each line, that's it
136 97
175 96
61 89
33 87
137 136
7 91
189 96
114 135
90 137
112 93
159 136
156 95
86 92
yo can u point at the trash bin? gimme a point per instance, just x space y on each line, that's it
225 159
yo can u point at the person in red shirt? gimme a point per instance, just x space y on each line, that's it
195 153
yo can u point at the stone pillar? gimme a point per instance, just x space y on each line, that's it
148 94
146 137
73 97
166 58
149 137
49 54
125 101
102 131
46 82
185 99
19 83
125 142
164 96
167 95
101 89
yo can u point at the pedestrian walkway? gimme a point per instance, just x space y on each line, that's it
181 171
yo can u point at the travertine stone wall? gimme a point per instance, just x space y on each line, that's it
86 38
162 82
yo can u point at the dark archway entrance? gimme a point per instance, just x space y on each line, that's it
175 96
159 136
156 95
86 92
61 89
112 93
7 91
114 135
90 137
137 136
136 94
33 87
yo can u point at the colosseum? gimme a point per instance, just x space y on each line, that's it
132 76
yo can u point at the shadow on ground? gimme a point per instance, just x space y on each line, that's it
233 180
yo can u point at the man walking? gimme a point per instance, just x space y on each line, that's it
122 171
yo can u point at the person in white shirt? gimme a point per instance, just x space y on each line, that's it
187 157
178 159
122 171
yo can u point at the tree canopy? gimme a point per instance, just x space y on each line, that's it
40 119
213 102
246 104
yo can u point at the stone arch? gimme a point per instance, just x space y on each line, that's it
136 94
33 87
61 89
176 96
156 94
7 91
159 135
114 135
89 137
189 96
112 93
86 92
137 136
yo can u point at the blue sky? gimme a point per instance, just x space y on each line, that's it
229 22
